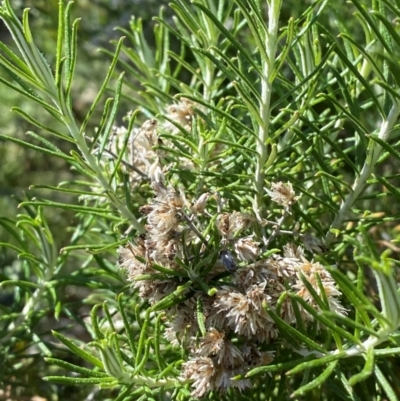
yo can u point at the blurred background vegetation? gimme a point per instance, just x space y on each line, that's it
21 167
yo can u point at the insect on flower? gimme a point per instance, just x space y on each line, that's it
227 260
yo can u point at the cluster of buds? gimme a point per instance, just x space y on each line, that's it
225 285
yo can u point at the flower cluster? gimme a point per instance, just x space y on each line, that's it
141 158
226 288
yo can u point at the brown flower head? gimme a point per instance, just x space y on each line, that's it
155 290
206 375
139 149
147 135
165 215
163 248
254 357
255 273
182 325
283 268
293 251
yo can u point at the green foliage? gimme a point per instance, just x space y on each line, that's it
241 96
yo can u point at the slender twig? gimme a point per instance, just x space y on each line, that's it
372 342
193 227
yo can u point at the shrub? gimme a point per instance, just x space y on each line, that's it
248 194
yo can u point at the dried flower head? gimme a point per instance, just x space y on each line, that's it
215 372
129 258
283 268
139 155
165 215
182 325
246 248
231 224
200 204
254 273
200 371
292 251
181 113
244 312
147 135
240 221
281 193
155 172
255 357
214 344
310 271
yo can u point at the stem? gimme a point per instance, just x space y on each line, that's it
154 383
373 155
371 342
194 228
267 65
